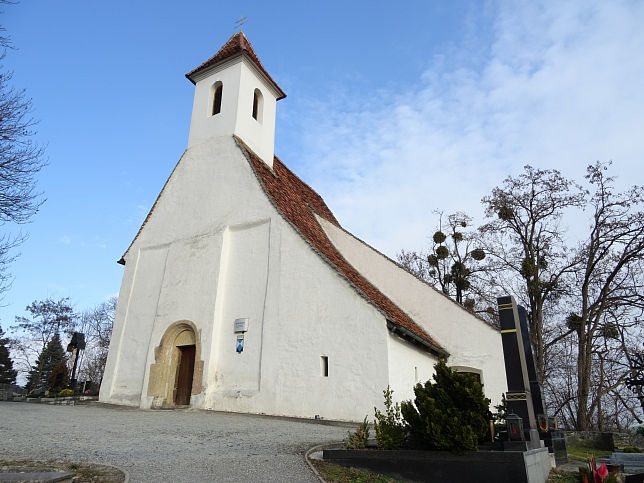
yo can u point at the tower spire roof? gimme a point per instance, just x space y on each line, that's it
236 45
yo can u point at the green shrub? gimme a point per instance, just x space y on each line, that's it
66 393
59 377
631 449
389 426
450 414
358 439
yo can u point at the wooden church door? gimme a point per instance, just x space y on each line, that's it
185 372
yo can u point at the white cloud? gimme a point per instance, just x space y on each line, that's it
65 240
560 88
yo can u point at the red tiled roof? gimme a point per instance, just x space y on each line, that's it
238 44
298 202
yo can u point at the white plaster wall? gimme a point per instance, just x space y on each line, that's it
310 312
470 341
212 187
133 324
239 78
408 366
118 330
320 314
260 136
203 124
190 263
241 294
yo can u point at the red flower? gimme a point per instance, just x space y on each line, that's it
602 471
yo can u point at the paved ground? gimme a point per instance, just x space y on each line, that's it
173 446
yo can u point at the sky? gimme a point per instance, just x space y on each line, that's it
394 110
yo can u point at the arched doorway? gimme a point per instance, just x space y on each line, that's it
185 343
178 369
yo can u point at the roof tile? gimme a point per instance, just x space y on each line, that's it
237 44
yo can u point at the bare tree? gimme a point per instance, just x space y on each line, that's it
21 159
96 323
31 335
523 240
451 262
609 283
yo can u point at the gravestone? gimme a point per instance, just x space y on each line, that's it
524 396
519 395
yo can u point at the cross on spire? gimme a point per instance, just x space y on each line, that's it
240 23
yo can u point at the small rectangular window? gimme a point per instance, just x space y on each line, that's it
324 366
416 374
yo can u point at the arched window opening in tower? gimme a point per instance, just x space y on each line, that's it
258 105
216 102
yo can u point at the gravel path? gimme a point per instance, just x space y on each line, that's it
170 446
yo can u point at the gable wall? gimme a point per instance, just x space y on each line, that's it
180 283
471 342
214 249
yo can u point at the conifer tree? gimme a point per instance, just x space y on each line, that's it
451 413
59 377
7 372
46 364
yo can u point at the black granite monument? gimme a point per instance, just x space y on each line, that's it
524 396
519 396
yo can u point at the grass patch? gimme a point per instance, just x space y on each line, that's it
85 472
558 476
341 474
582 453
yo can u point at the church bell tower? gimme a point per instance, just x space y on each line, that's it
235 95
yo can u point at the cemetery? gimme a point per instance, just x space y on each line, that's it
434 442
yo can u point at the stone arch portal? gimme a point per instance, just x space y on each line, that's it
177 371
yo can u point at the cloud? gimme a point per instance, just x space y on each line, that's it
65 240
559 86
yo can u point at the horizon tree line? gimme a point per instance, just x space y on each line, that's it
38 340
583 293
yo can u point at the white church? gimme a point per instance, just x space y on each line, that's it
242 292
